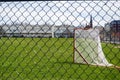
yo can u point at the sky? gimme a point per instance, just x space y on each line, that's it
75 13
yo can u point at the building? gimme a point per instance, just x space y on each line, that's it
45 30
115 29
64 31
27 30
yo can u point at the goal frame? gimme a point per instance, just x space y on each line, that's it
79 52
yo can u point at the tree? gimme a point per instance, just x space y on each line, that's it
107 27
2 31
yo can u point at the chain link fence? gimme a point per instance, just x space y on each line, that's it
55 40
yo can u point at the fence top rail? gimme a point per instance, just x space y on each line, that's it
32 0
54 0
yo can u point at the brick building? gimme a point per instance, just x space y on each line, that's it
115 29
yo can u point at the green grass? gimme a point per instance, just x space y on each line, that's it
51 59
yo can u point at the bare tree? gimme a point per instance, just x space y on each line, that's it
2 31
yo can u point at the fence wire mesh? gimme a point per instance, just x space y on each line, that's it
60 40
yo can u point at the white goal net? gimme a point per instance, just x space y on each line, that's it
87 48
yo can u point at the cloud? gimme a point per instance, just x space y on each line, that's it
60 12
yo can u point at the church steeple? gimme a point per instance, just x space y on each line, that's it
91 22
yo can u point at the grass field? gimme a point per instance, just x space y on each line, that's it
51 59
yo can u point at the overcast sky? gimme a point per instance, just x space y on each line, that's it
60 12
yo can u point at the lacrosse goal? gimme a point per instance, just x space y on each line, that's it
87 48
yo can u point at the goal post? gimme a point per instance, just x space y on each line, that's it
87 47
